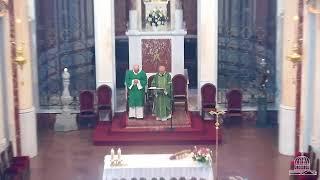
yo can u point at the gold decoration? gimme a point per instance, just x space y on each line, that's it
3 8
294 56
20 58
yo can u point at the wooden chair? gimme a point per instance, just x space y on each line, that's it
104 94
208 98
179 90
234 104
87 114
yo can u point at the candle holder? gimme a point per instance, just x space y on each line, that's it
294 56
217 124
20 57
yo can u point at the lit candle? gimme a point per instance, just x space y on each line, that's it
112 154
119 153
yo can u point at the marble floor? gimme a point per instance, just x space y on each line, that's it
246 151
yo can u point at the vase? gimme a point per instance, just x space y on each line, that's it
155 28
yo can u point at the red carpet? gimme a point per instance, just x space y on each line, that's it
116 133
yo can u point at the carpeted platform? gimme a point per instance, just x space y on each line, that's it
180 118
117 133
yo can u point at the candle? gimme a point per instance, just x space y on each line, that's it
112 154
119 153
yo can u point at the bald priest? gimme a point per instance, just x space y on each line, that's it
136 81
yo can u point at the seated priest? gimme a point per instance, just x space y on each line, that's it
162 101
136 81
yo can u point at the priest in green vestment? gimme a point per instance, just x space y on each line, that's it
162 101
136 81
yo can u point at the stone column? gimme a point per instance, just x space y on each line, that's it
105 45
315 138
308 80
27 118
207 44
2 94
287 107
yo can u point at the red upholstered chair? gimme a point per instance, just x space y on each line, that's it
87 114
208 98
179 90
12 171
234 104
104 94
21 160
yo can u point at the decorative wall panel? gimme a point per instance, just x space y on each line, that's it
65 38
156 52
244 41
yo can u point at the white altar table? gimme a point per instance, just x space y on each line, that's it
156 167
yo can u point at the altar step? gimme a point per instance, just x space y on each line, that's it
201 132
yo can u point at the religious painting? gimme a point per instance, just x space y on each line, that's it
156 52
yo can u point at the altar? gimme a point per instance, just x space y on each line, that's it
156 166
156 36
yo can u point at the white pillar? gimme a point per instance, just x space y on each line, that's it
287 107
105 44
308 80
315 138
27 116
207 44
2 86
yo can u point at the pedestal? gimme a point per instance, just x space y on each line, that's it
66 122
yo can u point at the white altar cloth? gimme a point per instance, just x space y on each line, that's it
156 167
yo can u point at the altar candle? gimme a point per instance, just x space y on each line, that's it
119 153
112 154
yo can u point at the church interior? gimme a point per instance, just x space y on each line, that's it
159 89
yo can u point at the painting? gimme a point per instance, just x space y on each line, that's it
156 52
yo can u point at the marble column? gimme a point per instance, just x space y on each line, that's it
27 116
133 15
207 44
287 107
308 80
105 45
315 138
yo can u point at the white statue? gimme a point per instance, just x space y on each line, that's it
66 99
66 121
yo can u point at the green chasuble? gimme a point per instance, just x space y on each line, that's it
136 92
162 103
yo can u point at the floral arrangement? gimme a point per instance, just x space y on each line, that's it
201 154
156 18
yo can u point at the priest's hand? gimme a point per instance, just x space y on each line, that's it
136 81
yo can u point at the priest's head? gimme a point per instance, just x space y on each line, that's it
162 69
136 68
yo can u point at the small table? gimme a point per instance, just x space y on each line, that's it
156 166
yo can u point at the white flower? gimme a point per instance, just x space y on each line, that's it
150 19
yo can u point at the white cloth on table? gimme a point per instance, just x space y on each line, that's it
136 112
156 166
